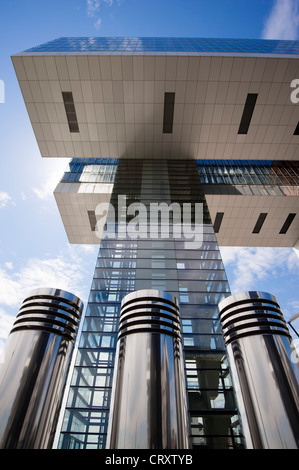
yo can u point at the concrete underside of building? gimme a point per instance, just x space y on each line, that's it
121 110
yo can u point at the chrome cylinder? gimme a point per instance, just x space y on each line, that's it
34 368
148 406
264 368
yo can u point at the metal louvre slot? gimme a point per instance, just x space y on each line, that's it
147 313
51 322
256 317
32 313
256 303
75 303
145 326
157 307
243 312
51 307
59 323
156 302
51 313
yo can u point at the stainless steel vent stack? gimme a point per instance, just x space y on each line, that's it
265 369
34 367
148 406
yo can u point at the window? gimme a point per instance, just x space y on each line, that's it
287 223
168 112
70 111
259 223
247 113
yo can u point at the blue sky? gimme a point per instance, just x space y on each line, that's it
34 250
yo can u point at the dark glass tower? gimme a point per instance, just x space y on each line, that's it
195 276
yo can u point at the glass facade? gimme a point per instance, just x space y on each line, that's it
248 176
195 276
164 45
91 170
261 177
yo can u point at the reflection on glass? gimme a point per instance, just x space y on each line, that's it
195 277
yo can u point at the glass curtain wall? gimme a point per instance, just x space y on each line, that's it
195 276
260 177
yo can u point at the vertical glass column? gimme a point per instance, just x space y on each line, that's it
196 277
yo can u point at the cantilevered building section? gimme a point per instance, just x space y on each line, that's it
165 120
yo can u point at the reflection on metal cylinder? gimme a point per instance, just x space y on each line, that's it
148 405
34 368
265 369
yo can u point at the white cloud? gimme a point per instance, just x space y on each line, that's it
65 271
294 305
251 266
23 196
6 322
291 309
283 21
4 198
70 270
45 191
89 248
93 9
98 23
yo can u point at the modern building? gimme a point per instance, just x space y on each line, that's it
210 125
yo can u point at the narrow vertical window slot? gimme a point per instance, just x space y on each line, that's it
287 223
218 220
92 220
169 99
247 113
259 223
70 111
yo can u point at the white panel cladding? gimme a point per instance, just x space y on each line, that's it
119 102
241 213
126 92
74 200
